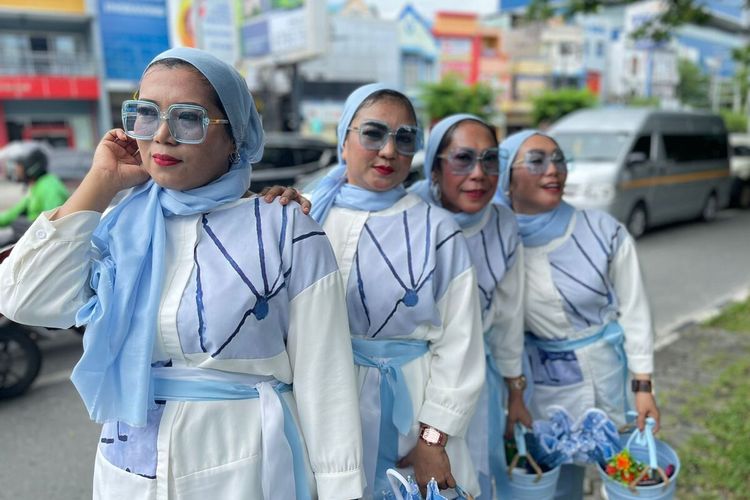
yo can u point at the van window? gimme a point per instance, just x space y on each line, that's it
643 145
692 147
592 146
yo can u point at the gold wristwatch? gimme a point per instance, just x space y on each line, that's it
432 436
517 384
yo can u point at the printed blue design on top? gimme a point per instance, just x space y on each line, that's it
393 287
580 269
236 304
493 252
132 449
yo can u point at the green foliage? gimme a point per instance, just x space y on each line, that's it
715 456
716 460
741 57
693 87
645 102
451 95
735 318
735 122
553 104
659 28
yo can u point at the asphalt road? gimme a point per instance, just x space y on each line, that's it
47 443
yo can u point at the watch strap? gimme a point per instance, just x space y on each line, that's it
640 385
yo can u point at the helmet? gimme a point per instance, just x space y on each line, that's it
33 160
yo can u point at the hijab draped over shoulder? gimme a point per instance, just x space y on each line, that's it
114 373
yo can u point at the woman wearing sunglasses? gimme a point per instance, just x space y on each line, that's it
587 318
217 353
461 173
411 295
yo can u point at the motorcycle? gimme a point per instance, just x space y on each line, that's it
20 356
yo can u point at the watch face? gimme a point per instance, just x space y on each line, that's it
431 435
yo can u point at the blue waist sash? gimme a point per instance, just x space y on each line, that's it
394 414
612 333
496 419
282 450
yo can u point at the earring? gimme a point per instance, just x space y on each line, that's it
234 157
437 193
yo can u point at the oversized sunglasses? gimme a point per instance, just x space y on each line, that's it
373 135
537 161
462 160
188 123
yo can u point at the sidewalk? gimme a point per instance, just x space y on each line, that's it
679 371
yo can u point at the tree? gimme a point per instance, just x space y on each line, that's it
693 87
735 122
451 95
741 56
675 13
553 104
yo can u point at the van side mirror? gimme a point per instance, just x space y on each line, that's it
635 158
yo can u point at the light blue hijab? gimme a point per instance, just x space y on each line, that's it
422 188
114 373
538 229
333 188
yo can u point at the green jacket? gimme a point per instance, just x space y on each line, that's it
46 193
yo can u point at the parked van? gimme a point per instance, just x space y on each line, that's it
644 166
740 163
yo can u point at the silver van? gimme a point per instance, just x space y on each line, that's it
644 166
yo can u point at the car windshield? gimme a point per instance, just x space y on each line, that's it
591 146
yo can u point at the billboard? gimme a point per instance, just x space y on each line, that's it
284 31
205 24
132 34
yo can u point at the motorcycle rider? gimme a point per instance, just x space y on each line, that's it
45 191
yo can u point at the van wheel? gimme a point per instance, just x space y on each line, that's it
710 208
637 221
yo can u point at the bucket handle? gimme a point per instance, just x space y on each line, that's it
518 434
394 478
646 438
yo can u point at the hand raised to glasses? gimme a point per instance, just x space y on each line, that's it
117 161
116 166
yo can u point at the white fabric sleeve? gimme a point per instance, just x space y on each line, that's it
320 352
457 366
506 341
635 312
46 278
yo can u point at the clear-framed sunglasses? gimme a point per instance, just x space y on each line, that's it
537 161
373 135
462 160
188 123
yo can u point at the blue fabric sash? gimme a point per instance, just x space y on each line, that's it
539 229
396 412
496 420
357 198
282 449
612 333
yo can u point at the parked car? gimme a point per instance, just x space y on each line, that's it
645 166
287 157
740 166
